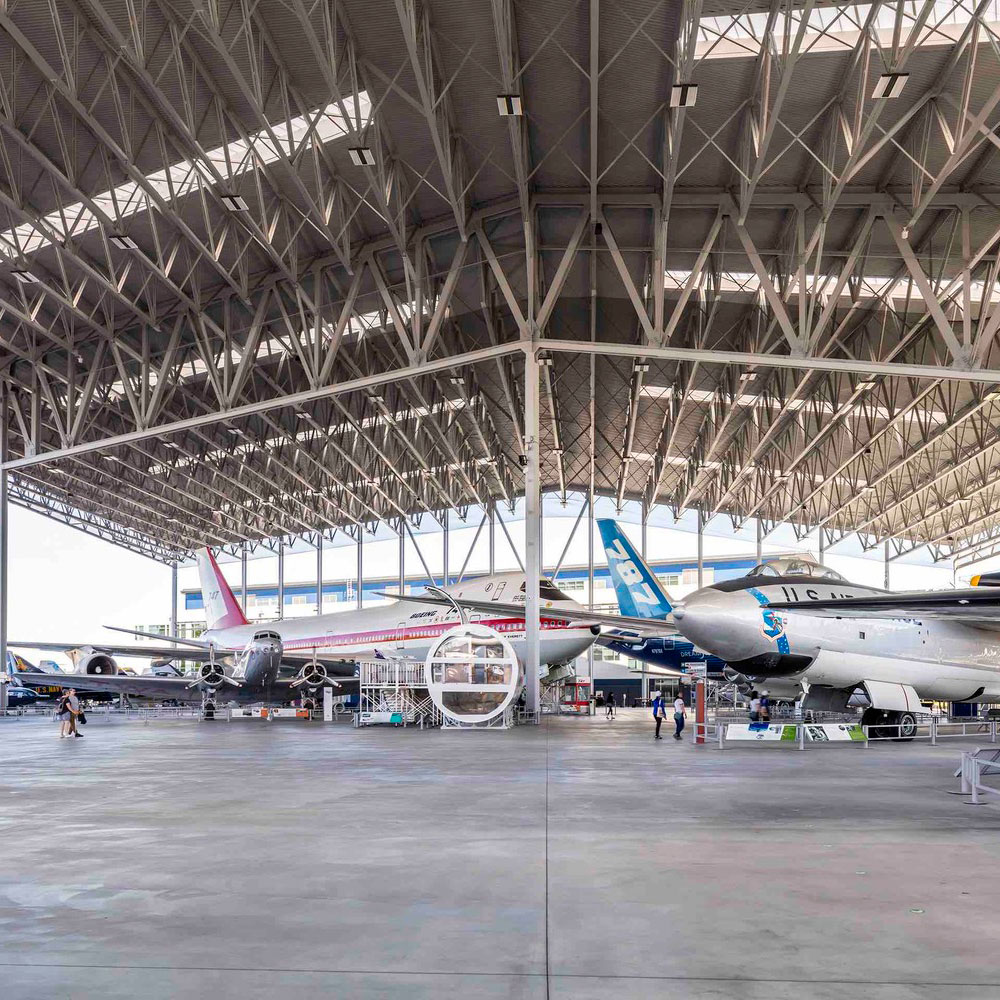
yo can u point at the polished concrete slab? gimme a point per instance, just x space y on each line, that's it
579 859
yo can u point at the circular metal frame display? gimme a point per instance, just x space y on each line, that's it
472 673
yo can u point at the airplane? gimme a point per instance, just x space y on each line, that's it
19 696
794 624
802 630
17 666
643 596
244 662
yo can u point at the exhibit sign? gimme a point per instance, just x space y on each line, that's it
835 732
760 732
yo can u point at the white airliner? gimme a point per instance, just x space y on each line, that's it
245 662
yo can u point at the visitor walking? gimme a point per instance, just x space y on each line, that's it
679 714
659 712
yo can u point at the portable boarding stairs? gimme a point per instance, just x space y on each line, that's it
394 692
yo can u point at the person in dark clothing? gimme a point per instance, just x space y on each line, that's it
659 713
609 702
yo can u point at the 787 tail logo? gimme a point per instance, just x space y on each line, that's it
630 573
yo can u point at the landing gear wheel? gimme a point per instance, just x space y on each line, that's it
878 722
907 723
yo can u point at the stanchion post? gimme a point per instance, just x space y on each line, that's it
933 730
802 735
699 711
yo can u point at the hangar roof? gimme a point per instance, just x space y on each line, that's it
275 268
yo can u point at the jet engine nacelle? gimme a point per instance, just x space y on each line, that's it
92 661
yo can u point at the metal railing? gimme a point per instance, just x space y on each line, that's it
933 729
975 764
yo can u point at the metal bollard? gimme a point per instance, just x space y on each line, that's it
933 730
721 731
802 736
993 730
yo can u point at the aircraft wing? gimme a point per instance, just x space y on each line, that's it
338 668
147 652
147 687
970 606
629 626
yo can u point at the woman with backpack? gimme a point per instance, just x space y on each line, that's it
62 713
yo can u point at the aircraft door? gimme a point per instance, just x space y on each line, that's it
401 638
498 590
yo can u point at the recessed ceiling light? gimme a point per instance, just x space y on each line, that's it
509 104
235 202
683 95
889 85
362 156
747 376
25 277
123 242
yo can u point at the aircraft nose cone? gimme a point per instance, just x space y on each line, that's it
716 625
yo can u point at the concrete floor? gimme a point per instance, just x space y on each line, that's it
577 860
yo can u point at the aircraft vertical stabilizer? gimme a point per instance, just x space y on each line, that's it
221 607
639 593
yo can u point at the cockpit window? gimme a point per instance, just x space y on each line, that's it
795 566
548 591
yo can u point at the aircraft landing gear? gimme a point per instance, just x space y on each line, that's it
208 706
900 727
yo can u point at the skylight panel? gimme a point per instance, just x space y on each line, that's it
285 138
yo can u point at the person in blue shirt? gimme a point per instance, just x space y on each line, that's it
659 712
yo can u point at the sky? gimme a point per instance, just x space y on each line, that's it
66 585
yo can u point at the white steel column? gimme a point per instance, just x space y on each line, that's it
701 549
402 560
4 512
643 690
532 504
886 550
281 579
361 571
590 584
243 575
173 598
493 537
760 542
444 551
319 573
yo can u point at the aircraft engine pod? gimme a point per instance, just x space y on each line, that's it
472 674
212 674
89 661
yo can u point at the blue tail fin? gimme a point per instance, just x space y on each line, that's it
639 592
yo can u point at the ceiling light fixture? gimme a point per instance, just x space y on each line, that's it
509 104
683 95
889 85
362 156
123 242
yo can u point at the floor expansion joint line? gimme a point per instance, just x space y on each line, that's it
397 973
